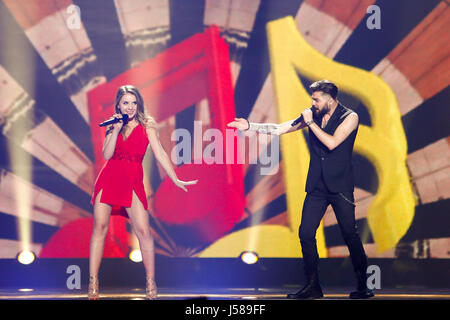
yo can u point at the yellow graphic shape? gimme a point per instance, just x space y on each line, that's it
384 145
270 241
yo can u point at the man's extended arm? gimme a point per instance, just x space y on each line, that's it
266 128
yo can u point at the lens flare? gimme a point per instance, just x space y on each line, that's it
135 255
26 257
249 257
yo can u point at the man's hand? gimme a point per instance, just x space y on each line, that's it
307 115
239 123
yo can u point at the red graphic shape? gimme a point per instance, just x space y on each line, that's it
73 240
209 207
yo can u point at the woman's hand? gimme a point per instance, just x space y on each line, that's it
239 123
182 184
118 125
149 122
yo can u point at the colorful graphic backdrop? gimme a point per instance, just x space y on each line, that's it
199 64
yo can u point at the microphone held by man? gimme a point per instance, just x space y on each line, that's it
300 119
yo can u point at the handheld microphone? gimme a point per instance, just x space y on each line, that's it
114 120
300 119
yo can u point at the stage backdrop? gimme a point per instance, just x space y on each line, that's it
199 64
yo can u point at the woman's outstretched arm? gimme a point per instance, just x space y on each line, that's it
162 157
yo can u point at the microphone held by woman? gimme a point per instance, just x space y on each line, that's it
113 120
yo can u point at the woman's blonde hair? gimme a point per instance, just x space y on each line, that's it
141 116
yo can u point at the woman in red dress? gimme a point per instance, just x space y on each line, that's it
120 183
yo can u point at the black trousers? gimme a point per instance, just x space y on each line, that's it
314 208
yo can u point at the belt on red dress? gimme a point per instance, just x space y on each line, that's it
127 157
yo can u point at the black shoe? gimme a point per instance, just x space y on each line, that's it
312 290
361 294
306 293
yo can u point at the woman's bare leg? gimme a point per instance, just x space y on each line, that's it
139 221
102 212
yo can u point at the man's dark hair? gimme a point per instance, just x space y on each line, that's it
325 86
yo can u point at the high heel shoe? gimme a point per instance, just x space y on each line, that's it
93 288
151 292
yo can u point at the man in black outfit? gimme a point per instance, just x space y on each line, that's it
332 133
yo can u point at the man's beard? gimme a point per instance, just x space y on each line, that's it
321 113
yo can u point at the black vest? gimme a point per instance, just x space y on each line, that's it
335 166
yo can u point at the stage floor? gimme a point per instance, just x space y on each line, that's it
215 294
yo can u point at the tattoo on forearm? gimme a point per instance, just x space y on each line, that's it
267 128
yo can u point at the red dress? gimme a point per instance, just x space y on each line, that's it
123 173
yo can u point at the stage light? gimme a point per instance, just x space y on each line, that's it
17 125
249 257
135 255
26 257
